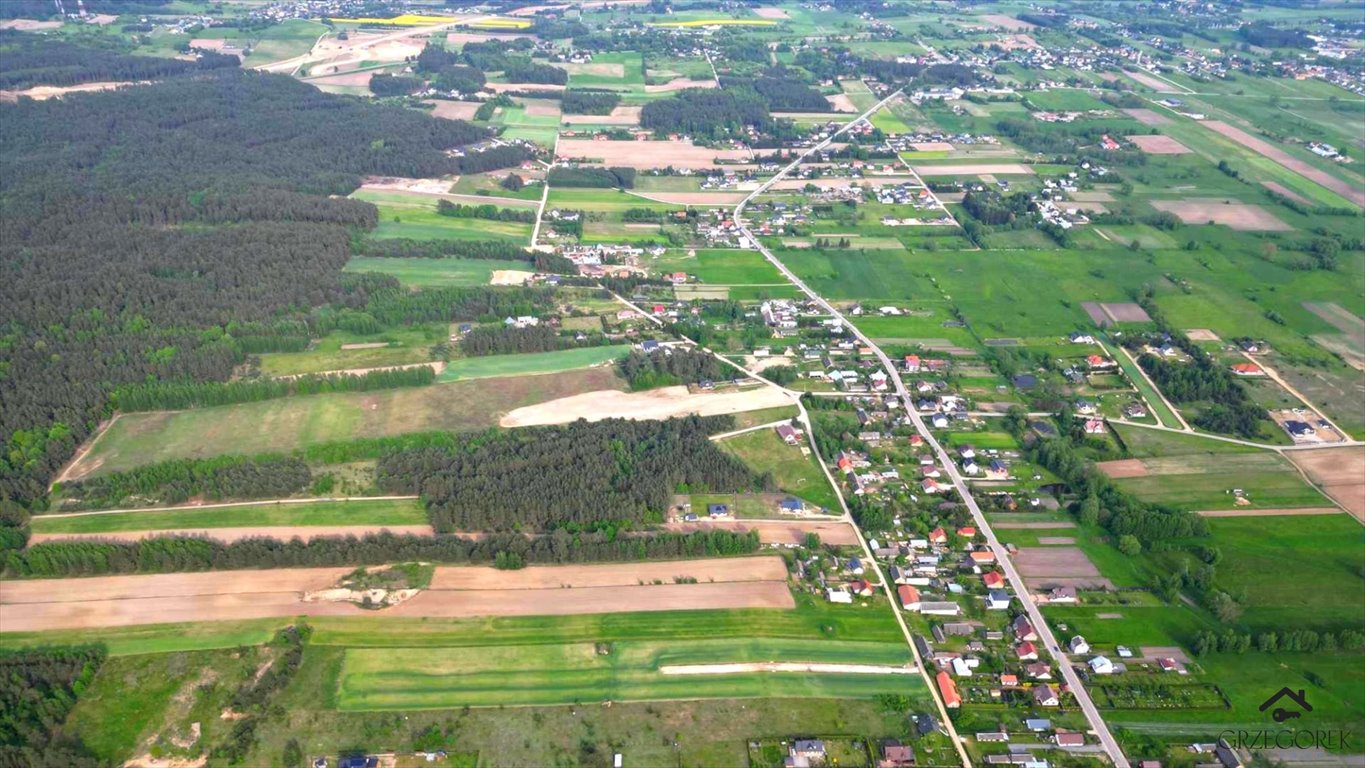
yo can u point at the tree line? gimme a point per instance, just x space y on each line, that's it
561 176
611 472
177 480
506 340
484 211
173 554
404 248
669 366
584 101
177 395
391 304
38 689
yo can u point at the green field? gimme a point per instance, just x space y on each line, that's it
448 678
404 214
531 363
717 266
436 272
291 423
795 473
405 345
358 512
1195 482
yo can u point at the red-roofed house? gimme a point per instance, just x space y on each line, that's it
984 557
912 363
1247 369
909 597
948 689
1027 651
938 536
966 531
993 580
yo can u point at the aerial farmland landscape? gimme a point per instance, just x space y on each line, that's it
682 383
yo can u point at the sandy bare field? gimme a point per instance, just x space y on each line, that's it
784 666
510 277
29 25
619 116
501 87
1156 144
932 146
1266 149
1148 117
1043 564
841 102
349 79
208 43
647 154
1340 472
130 600
1008 22
1123 468
285 533
616 599
766 568
1153 82
1268 512
974 169
779 531
661 403
45 92
680 84
1201 334
399 184
1239 216
1092 196
771 13
453 110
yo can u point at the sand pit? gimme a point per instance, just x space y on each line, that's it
1148 117
1156 144
976 169
661 403
45 92
1268 512
1007 22
833 532
130 600
680 84
768 568
510 277
771 13
283 533
1242 217
1339 472
619 116
1303 168
647 154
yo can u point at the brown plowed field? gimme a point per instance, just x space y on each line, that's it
610 575
1156 144
1267 150
1339 472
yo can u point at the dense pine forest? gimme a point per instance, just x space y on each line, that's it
671 365
37 690
584 475
31 60
231 233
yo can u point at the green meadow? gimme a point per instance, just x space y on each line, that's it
531 363
435 272
794 472
357 512
414 216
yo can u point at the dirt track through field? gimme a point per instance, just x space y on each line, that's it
1267 150
34 605
661 403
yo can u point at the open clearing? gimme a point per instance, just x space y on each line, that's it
1272 152
646 154
1339 472
661 403
1158 144
1242 217
291 423
131 600
837 533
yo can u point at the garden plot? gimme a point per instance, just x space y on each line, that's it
1047 567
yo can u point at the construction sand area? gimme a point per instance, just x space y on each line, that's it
106 601
661 403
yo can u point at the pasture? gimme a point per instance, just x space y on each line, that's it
716 266
1193 482
291 423
341 350
795 473
414 216
545 674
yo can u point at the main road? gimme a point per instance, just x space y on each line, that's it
1073 681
